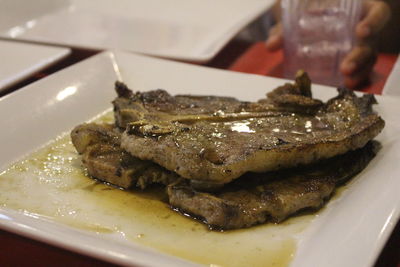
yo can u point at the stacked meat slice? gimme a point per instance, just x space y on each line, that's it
230 163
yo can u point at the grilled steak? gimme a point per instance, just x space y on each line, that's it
257 198
230 163
214 140
106 161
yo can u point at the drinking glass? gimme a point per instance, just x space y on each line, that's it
317 36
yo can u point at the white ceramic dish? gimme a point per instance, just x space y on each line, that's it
392 83
351 231
20 60
187 30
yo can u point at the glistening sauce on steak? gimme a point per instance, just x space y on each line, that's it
51 183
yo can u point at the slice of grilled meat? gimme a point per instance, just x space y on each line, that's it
257 198
104 159
213 140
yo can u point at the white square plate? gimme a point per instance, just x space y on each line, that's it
350 231
189 30
20 60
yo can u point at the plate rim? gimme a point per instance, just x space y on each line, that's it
43 63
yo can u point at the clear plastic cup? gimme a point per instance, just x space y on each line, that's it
317 36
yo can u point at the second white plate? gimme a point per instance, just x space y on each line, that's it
189 30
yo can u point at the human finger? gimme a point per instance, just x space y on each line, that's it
376 16
275 38
361 76
358 57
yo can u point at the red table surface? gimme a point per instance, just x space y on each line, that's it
258 60
16 250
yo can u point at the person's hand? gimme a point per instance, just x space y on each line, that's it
358 63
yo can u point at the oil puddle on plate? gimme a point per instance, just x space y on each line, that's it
52 182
